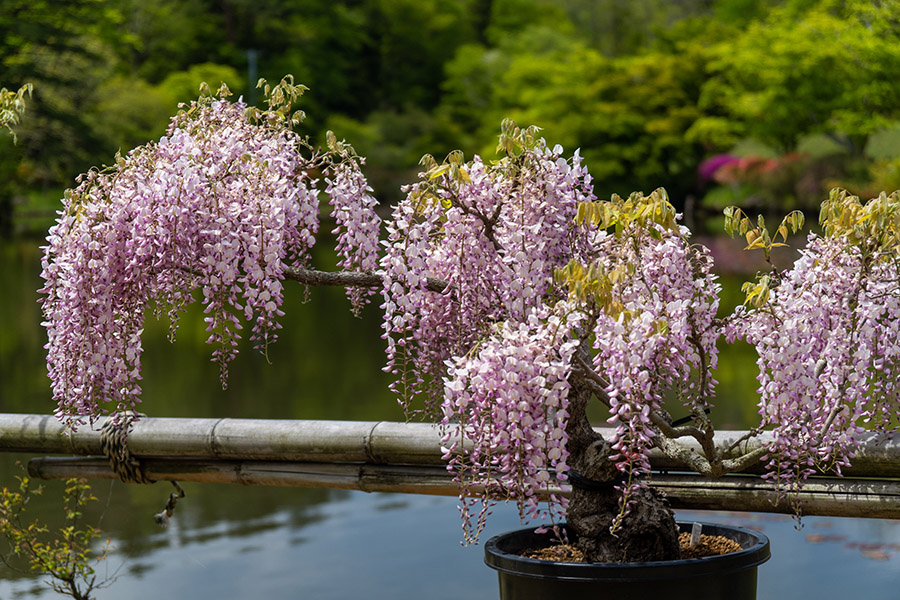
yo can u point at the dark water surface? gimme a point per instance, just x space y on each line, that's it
239 542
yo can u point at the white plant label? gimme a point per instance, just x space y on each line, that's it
696 529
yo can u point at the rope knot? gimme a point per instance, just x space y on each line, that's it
114 444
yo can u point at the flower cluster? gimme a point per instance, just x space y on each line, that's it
828 356
493 234
217 205
507 409
357 224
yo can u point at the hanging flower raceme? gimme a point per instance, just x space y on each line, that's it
505 405
357 223
218 205
655 335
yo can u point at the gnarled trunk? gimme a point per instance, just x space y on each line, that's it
648 532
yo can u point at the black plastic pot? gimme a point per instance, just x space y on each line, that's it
726 577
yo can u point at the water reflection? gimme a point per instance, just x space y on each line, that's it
383 546
857 558
23 383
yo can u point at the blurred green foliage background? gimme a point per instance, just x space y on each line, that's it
789 97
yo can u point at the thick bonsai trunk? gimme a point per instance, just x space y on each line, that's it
647 533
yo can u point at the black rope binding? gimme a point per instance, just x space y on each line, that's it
114 444
583 483
687 419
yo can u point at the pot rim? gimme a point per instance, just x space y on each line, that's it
500 553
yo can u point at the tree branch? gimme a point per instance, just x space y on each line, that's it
338 278
746 437
589 377
736 465
686 456
488 221
709 465
351 279
673 433
828 421
665 440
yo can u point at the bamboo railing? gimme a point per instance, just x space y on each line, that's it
405 457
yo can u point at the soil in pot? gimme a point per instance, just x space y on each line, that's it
709 545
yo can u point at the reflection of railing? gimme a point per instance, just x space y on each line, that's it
406 458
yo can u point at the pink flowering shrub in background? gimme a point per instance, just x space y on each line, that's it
512 298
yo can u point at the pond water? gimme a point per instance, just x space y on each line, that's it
235 542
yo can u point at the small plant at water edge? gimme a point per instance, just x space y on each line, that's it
67 557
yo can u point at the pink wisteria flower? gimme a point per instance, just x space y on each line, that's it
828 357
219 205
357 224
506 410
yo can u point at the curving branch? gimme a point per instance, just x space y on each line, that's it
665 440
745 461
334 278
711 465
744 438
674 433
707 463
489 222
585 372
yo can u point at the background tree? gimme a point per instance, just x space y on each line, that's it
12 109
647 89
809 67
63 50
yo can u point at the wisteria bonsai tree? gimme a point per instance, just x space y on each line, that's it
512 299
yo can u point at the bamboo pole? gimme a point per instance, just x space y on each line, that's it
823 496
371 442
411 479
404 458
251 439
